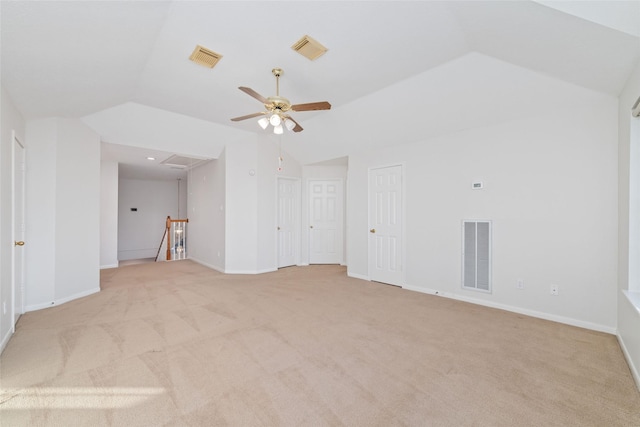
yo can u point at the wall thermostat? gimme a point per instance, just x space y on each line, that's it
478 185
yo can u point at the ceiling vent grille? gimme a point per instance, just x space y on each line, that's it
309 48
203 56
182 162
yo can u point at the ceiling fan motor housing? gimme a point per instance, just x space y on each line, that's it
277 103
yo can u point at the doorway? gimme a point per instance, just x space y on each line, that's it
18 228
288 218
385 225
326 221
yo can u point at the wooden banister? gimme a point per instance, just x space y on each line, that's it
168 233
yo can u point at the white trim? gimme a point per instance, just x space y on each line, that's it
222 270
5 340
533 313
266 270
211 266
629 359
358 276
62 300
103 267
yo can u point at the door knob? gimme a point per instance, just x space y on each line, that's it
19 243
311 226
373 230
278 228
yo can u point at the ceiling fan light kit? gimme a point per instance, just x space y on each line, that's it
277 108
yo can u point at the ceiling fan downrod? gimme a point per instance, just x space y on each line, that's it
277 72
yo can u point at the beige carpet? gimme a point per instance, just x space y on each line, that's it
177 344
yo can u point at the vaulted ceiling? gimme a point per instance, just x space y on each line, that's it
114 62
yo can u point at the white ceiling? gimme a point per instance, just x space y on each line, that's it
115 62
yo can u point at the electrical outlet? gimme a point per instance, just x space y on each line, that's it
4 307
554 289
520 284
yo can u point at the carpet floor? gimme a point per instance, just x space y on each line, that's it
178 344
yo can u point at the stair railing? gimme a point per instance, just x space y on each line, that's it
175 233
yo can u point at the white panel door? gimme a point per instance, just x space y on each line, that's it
17 271
288 215
325 222
385 225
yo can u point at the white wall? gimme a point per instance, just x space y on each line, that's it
550 190
10 119
629 229
140 232
62 212
241 217
40 213
250 193
108 214
488 91
139 125
205 232
268 153
77 211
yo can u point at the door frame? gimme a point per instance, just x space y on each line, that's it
403 219
298 216
14 286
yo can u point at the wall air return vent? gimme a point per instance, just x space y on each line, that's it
203 56
476 255
182 162
309 48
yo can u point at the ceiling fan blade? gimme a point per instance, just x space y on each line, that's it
297 127
248 116
324 105
254 94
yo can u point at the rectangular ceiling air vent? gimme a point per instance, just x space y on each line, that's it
182 162
309 48
203 56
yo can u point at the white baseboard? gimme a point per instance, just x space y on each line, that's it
103 267
5 339
129 254
358 276
627 356
520 310
206 264
267 270
222 270
53 303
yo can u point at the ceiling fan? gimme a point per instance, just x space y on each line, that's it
277 108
